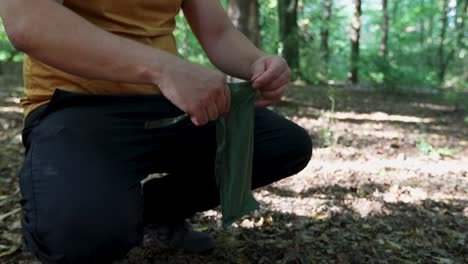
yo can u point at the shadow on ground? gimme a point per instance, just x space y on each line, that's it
430 232
321 217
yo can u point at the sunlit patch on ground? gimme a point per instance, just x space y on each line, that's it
381 117
11 109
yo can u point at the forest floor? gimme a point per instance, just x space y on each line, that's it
387 183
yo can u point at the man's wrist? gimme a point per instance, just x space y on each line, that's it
257 59
155 74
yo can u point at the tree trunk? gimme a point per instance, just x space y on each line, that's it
355 39
422 29
289 32
443 33
462 10
430 37
384 42
396 9
325 36
430 29
245 16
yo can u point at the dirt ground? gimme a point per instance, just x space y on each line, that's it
387 183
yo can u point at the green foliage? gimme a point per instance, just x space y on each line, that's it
413 43
325 137
7 51
269 26
454 98
424 146
188 45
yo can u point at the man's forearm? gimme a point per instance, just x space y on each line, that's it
58 37
233 53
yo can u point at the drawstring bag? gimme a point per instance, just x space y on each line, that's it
234 152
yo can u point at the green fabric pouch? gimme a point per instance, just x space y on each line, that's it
234 153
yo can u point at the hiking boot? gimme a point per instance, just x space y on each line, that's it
181 236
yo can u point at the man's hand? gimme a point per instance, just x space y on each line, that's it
197 90
271 76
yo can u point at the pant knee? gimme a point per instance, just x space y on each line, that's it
66 220
298 151
288 152
77 241
304 147
98 232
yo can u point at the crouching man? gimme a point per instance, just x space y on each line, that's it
94 72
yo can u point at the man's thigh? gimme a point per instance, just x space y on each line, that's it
281 147
80 202
81 180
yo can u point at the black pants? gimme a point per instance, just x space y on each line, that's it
82 197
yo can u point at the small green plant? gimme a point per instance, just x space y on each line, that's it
332 109
332 93
429 149
451 97
424 146
325 136
456 100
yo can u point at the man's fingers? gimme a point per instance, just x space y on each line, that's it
281 81
274 70
274 95
271 97
263 103
212 112
227 99
221 102
200 118
258 69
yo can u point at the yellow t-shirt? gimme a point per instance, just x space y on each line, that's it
151 22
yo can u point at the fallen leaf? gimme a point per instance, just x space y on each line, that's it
12 212
12 250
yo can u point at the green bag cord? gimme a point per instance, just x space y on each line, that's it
234 153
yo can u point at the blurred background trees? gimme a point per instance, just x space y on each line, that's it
395 44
